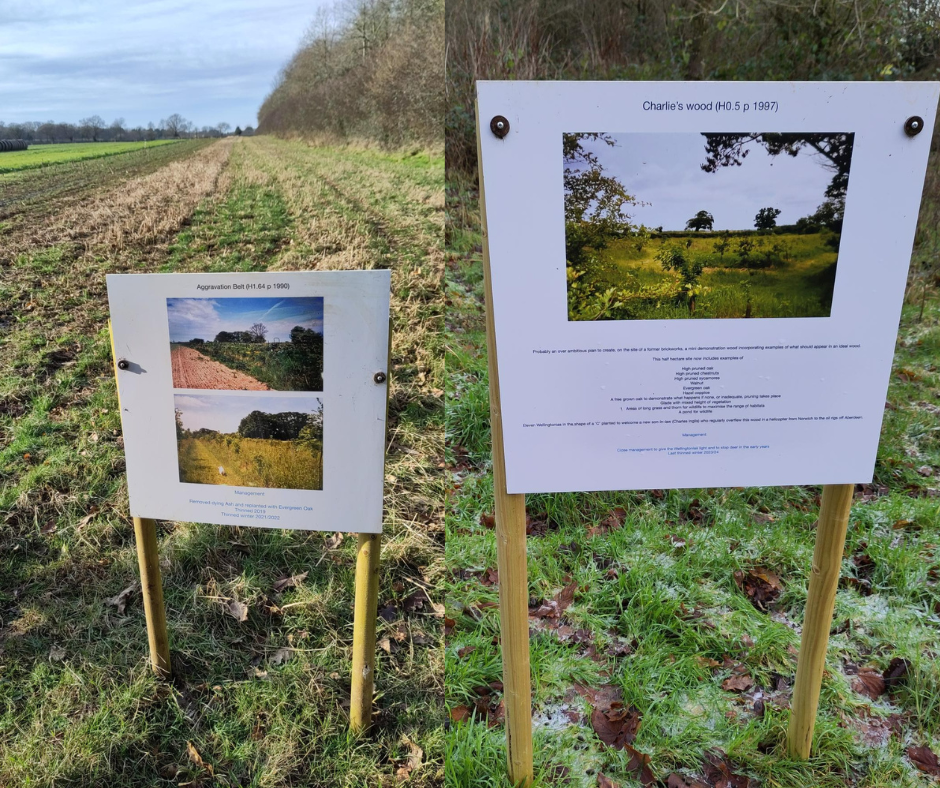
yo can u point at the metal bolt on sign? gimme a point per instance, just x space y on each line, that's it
499 126
914 125
379 377
123 364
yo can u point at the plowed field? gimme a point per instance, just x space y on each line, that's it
192 370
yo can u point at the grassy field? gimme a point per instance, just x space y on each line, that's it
653 614
44 155
283 366
785 275
250 462
264 701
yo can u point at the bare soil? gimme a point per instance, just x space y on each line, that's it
192 370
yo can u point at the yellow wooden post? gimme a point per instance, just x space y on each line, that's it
823 582
510 555
363 662
148 558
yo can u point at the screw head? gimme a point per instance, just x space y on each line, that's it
914 126
379 377
499 126
123 364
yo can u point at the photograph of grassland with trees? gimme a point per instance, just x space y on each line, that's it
250 441
689 225
246 344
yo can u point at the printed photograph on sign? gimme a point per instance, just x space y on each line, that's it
246 344
250 441
662 226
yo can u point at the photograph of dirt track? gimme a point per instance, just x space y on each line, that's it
260 697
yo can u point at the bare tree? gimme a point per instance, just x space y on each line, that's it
92 125
223 128
176 125
258 332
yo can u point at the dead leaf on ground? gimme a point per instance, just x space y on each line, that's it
460 713
412 762
92 513
616 725
237 610
924 759
466 651
740 682
120 600
896 672
334 541
869 683
603 781
680 781
196 758
488 520
613 522
289 582
553 608
56 654
759 585
281 656
640 765
719 772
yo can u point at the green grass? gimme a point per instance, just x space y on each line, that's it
250 462
264 701
660 607
44 155
797 281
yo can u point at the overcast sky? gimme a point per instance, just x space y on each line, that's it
664 170
203 318
224 413
210 61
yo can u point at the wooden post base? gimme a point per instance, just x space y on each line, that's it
151 584
363 661
824 580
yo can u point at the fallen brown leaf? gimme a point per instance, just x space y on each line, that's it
680 781
718 772
196 758
120 600
760 585
460 713
289 582
924 759
603 781
741 682
237 610
896 672
412 762
617 725
640 764
869 682
334 541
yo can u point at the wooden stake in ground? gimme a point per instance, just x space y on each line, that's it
827 564
151 583
363 662
148 557
510 556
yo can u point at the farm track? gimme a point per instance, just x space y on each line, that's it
192 370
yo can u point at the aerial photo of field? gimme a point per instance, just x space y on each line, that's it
248 344
250 441
679 226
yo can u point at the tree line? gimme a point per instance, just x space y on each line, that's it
365 69
95 129
287 426
257 334
678 39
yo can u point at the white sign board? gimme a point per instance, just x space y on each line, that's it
252 398
697 284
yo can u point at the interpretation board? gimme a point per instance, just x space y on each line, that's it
254 399
697 284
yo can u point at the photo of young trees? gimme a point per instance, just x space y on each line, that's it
685 226
250 441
